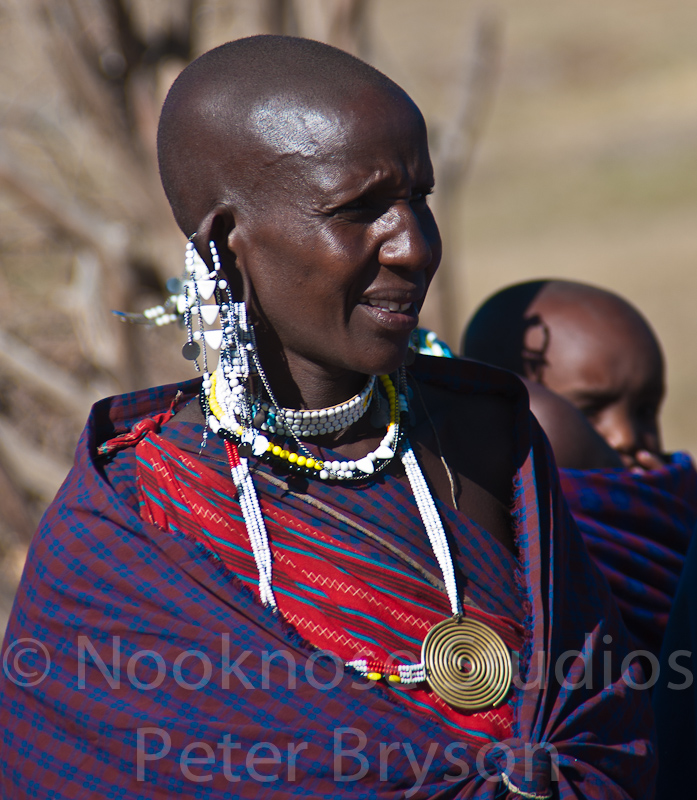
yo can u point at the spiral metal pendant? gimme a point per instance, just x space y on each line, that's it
467 664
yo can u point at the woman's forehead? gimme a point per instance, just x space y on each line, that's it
354 140
296 128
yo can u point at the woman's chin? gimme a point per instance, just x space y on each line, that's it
385 363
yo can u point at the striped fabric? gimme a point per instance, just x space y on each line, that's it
132 650
329 591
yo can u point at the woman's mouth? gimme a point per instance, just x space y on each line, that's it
388 305
392 314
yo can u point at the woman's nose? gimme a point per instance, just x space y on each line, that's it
621 432
411 241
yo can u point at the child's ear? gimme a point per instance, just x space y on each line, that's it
535 343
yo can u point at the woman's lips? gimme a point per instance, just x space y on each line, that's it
391 314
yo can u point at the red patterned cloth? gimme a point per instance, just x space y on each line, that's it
330 592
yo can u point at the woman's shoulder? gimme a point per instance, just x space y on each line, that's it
118 414
473 397
479 416
461 376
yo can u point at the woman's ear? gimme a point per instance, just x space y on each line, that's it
217 226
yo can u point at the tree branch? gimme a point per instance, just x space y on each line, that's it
461 134
34 469
27 364
108 239
453 158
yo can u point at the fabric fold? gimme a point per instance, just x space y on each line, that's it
637 527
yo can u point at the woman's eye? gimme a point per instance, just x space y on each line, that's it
356 205
592 410
373 206
421 196
361 207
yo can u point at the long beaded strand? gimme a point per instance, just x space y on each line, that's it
416 673
254 521
432 523
249 502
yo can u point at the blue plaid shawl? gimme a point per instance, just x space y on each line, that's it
136 666
675 695
637 527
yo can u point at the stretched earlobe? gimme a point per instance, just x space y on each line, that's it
214 227
218 227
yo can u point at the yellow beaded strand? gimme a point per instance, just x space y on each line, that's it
214 405
392 398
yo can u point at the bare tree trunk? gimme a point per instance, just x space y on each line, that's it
13 502
452 158
342 23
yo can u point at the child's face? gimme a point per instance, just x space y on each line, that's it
604 359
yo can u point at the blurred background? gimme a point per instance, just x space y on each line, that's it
564 138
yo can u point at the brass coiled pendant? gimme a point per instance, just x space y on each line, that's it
467 664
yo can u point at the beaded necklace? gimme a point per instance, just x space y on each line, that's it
223 421
219 399
314 422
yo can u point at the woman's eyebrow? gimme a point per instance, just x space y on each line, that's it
595 395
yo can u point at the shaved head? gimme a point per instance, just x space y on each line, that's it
309 172
278 97
514 328
496 333
584 343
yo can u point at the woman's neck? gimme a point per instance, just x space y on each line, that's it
300 383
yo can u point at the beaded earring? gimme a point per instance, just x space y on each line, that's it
233 380
200 286
232 336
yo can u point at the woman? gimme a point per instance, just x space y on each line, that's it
405 527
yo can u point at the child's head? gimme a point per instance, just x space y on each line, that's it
587 345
